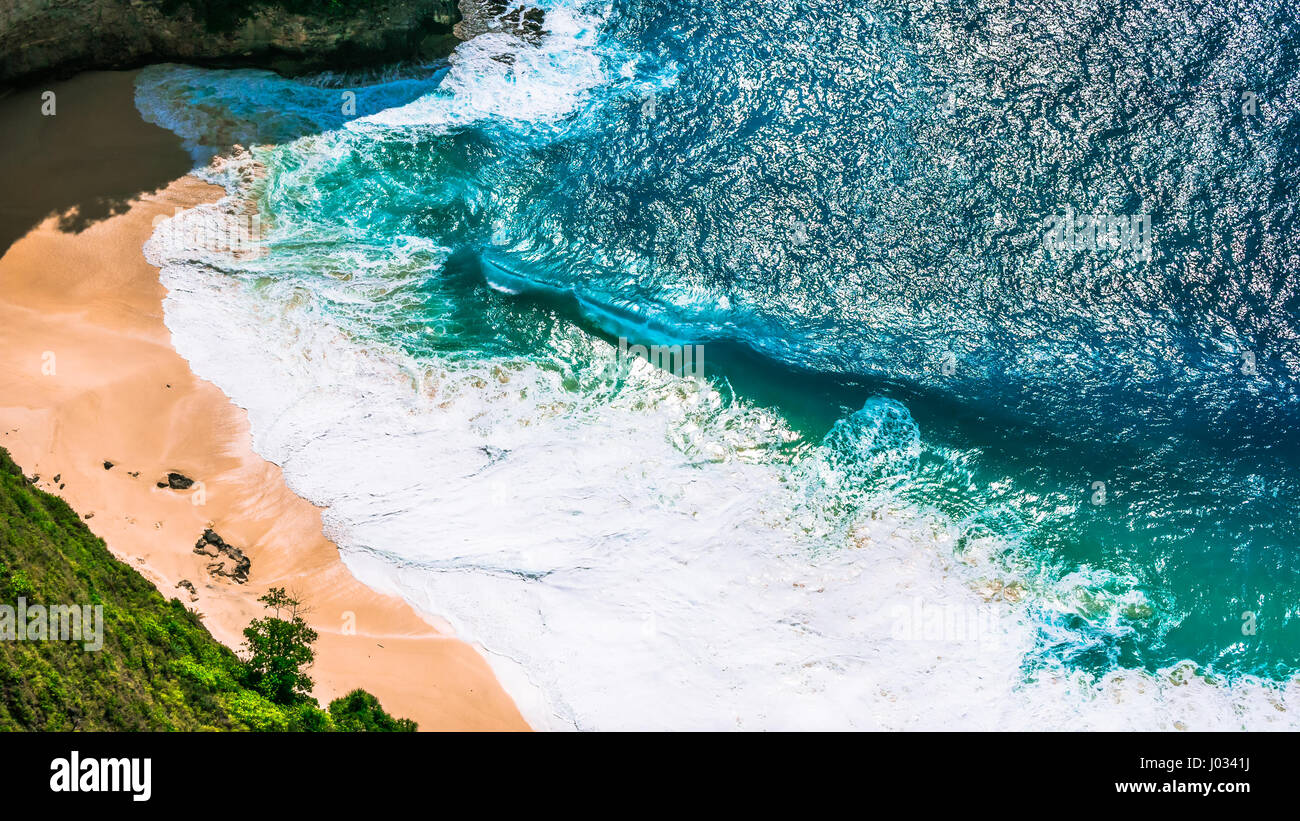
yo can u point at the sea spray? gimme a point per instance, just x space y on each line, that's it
655 551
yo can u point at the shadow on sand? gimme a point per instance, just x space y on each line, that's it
86 162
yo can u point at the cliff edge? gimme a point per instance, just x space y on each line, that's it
57 38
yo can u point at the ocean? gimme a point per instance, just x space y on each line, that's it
992 421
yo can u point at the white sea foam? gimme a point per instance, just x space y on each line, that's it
505 79
632 557
638 552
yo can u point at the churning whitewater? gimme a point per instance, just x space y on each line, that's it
878 506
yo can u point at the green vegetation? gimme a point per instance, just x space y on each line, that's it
359 711
159 668
279 650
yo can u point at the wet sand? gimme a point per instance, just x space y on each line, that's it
88 376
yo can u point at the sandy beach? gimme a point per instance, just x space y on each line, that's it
94 401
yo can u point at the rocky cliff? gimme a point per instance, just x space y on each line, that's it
44 38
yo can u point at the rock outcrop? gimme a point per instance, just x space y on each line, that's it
188 586
516 17
231 562
52 38
177 481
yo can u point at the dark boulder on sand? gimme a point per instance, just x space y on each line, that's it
187 585
177 481
233 564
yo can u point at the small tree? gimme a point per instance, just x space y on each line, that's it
279 650
359 711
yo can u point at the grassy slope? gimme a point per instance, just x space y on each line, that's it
159 668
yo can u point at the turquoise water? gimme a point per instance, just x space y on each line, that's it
845 207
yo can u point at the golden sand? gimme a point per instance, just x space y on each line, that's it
88 375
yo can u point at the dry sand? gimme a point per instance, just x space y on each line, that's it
88 375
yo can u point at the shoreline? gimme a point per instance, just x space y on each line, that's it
89 377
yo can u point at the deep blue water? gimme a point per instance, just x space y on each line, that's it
854 192
846 202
